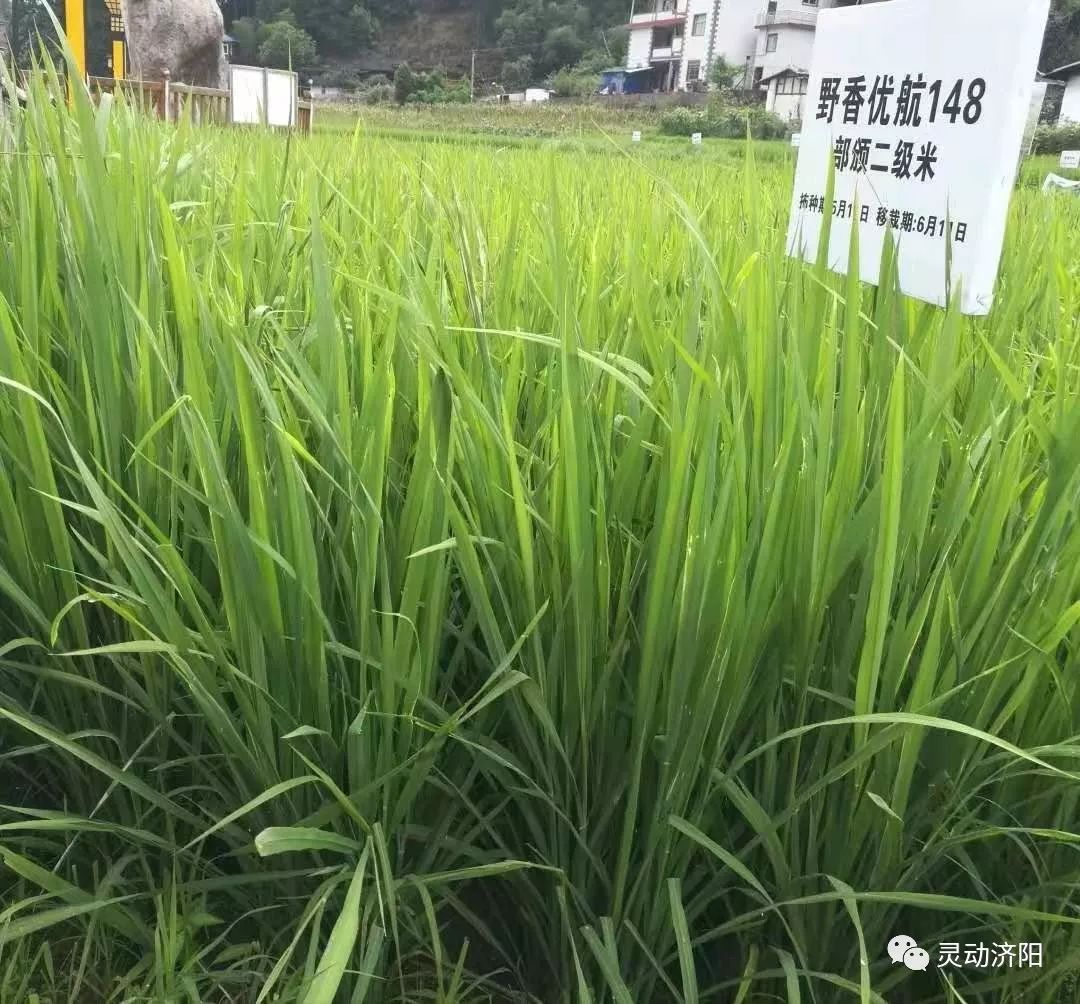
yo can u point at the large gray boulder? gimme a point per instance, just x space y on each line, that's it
182 36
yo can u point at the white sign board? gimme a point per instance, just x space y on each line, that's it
924 131
1056 181
263 97
636 136
796 139
283 89
1070 159
248 94
696 139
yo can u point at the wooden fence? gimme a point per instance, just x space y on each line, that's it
171 102
305 115
145 94
204 104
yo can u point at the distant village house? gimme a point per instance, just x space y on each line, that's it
674 45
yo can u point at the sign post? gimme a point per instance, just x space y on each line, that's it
1038 99
923 130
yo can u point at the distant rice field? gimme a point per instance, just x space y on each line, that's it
553 118
441 568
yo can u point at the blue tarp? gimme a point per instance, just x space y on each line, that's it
623 81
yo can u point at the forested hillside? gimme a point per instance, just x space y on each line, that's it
519 40
1062 43
535 37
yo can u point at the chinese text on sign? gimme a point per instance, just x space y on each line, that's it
924 130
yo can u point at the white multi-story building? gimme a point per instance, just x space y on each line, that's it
675 43
785 42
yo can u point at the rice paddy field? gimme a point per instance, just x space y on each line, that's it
471 572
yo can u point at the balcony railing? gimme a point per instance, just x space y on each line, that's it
656 19
668 51
803 16
664 11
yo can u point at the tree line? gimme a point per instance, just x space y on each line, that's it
530 39
525 40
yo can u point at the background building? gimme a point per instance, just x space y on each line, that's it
1069 75
674 45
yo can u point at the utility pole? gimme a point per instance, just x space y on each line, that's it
472 78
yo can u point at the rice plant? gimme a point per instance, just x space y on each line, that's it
454 573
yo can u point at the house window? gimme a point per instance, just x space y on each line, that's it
693 71
790 84
699 25
759 72
772 41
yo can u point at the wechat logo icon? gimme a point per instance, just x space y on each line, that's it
903 948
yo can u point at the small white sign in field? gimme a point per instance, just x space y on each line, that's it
1070 159
923 131
635 137
696 139
796 139
1055 181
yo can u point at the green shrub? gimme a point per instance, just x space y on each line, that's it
378 95
722 121
447 93
1054 139
569 83
431 88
